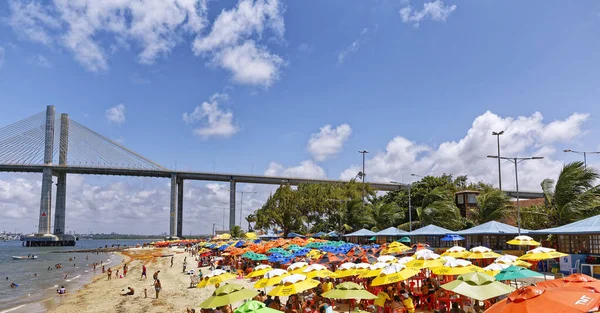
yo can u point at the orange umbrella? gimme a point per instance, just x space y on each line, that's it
535 299
573 282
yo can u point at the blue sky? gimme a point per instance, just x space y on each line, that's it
425 72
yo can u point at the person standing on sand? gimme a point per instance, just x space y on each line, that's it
155 276
144 272
157 287
117 274
109 273
125 270
171 261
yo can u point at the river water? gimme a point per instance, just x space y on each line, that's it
32 290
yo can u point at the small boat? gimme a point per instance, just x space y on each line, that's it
25 257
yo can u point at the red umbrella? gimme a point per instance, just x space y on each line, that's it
533 299
573 282
330 258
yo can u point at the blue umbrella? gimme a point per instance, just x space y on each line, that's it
240 244
450 237
294 235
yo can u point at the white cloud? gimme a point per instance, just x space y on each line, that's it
523 136
116 114
40 60
230 46
218 123
157 26
354 46
436 11
328 141
1 56
306 169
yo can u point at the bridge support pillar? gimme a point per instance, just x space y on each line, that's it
180 208
61 185
231 204
173 211
46 196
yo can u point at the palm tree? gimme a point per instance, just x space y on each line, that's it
574 196
251 218
236 232
438 208
492 204
382 215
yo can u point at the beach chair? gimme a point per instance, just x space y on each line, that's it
575 269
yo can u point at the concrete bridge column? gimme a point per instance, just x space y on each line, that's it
173 211
180 208
46 196
61 185
231 204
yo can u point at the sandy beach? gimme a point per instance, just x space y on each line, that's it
103 295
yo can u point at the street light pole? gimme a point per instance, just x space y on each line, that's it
497 134
409 200
363 152
584 153
242 204
516 161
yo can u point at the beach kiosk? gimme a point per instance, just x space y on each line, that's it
430 235
359 236
493 235
389 234
581 240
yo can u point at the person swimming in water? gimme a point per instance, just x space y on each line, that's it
13 285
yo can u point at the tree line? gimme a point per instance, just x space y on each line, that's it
347 207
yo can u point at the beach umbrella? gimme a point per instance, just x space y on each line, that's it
425 259
495 268
393 273
387 259
367 257
226 295
478 286
272 277
405 259
361 268
374 270
395 248
451 237
349 290
533 299
258 257
254 306
404 239
251 236
345 270
293 284
523 241
260 270
572 282
541 253
516 272
298 267
481 253
317 270
215 277
330 258
456 267
372 238
506 259
456 251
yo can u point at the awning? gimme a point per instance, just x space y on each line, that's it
590 225
390 232
492 228
361 233
430 230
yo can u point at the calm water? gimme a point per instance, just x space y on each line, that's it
34 289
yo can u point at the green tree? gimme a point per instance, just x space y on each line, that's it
492 205
381 215
574 196
438 208
237 232
282 211
533 217
251 218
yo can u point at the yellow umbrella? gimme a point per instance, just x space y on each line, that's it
456 267
387 259
293 284
481 253
297 268
361 268
395 248
251 236
272 277
494 268
260 270
523 241
425 259
225 236
346 270
456 251
541 253
374 270
393 273
215 277
317 270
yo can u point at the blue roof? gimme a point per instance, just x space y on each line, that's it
492 228
590 225
391 231
361 233
430 230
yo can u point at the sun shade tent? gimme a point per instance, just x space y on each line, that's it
359 236
491 234
389 234
584 229
429 234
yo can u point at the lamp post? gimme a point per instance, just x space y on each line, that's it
363 152
516 161
242 203
584 153
497 134
409 199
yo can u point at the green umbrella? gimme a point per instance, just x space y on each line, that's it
404 240
349 290
516 272
259 257
372 238
254 306
278 250
479 286
227 294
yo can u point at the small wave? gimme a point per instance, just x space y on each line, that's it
73 278
86 271
12 309
55 286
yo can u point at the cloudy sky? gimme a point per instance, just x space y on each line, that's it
296 89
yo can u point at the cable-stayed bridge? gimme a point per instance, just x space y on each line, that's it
57 146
